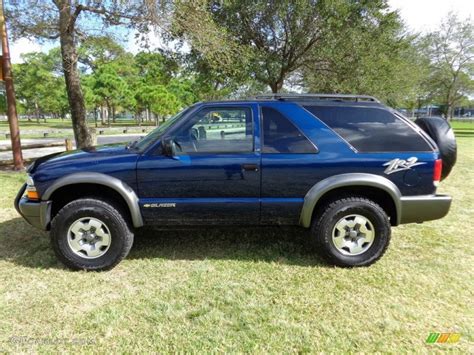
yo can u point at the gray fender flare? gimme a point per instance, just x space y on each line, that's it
119 186
342 180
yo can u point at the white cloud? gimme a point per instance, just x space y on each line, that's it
426 15
153 40
22 46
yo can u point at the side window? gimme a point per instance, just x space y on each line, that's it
370 129
281 136
217 130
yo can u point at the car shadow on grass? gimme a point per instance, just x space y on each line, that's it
27 246
268 244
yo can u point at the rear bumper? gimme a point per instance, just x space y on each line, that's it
36 213
416 209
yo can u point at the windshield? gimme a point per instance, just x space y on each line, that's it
156 134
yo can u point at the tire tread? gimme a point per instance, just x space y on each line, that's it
110 208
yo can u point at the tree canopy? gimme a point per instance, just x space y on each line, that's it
230 49
450 55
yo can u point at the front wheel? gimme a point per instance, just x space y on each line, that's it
90 234
352 231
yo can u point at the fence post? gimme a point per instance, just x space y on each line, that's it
68 144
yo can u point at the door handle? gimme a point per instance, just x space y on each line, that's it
250 167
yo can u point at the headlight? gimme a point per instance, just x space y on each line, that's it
31 189
29 181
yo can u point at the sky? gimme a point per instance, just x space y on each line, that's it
419 15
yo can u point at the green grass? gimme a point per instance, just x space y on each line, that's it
247 290
462 125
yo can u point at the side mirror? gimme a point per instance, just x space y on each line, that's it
169 147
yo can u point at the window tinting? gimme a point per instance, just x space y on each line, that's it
281 136
371 129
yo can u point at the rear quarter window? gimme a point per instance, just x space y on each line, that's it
370 129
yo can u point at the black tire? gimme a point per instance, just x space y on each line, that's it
324 224
121 239
441 132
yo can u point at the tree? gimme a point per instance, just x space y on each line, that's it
451 54
110 89
106 71
267 39
40 85
163 102
367 51
97 50
210 82
60 19
155 84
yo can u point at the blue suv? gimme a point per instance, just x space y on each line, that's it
344 166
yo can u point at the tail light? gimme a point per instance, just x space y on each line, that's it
438 167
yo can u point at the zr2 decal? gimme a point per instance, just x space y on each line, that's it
397 165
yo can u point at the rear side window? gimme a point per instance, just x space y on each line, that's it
281 136
371 129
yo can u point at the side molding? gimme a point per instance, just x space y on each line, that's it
342 180
119 186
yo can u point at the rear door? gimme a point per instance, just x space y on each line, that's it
214 177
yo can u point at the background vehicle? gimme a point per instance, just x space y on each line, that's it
345 166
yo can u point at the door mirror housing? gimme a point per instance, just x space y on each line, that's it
168 147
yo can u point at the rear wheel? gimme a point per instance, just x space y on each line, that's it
352 231
90 234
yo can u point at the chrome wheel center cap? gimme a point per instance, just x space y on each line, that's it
89 238
353 235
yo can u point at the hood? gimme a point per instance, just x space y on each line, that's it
114 160
91 155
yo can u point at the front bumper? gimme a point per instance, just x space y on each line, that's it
417 209
36 213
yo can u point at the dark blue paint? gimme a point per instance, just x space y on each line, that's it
114 160
213 188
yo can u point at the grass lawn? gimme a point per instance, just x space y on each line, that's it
462 125
253 290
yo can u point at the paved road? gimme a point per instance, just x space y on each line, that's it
36 153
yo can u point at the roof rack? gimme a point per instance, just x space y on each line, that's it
346 97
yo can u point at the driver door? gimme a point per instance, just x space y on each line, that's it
214 175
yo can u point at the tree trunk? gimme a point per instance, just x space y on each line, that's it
113 114
37 113
449 112
138 118
71 76
102 115
108 115
276 86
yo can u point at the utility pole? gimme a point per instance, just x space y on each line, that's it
10 93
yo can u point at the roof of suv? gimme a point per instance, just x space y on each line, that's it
319 99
